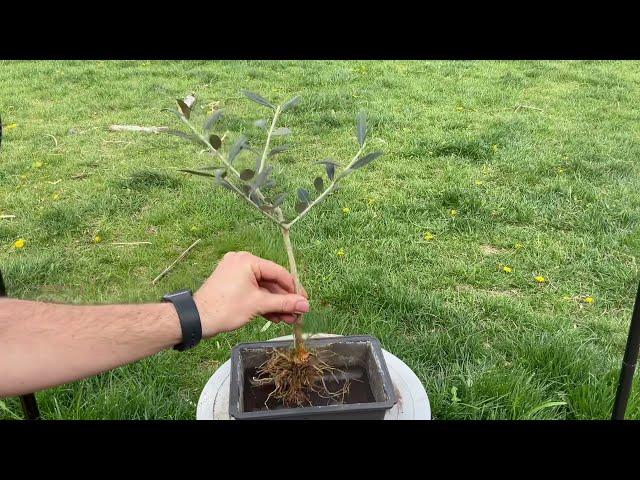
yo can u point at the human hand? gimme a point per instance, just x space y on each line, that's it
244 286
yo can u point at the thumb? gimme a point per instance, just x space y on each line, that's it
281 303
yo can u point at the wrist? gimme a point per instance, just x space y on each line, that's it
172 333
208 317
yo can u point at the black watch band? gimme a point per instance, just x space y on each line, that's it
189 318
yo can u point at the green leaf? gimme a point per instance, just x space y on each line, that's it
262 123
262 177
300 207
330 166
254 198
268 184
184 108
247 174
215 141
303 195
211 121
368 158
319 184
281 131
290 104
361 127
236 148
196 172
220 175
257 98
279 199
278 149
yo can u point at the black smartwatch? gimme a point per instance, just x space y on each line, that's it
189 318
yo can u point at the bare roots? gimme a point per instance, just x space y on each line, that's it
295 376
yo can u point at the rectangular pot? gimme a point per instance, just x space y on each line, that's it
358 351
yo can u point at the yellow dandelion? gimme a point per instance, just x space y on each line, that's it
453 212
20 243
97 239
459 109
371 201
11 126
507 269
194 228
346 210
589 299
478 182
55 196
495 147
340 253
518 246
429 236
539 279
37 164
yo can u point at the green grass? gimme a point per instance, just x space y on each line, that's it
562 181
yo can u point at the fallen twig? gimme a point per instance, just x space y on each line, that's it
168 269
130 243
136 128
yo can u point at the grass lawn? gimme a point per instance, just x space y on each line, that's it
469 185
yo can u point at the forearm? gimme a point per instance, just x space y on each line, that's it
42 344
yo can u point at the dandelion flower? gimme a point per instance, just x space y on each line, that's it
478 182
194 228
97 239
459 109
20 243
495 147
507 269
539 279
589 299
371 200
518 246
11 126
37 164
453 212
429 236
346 210
55 196
340 253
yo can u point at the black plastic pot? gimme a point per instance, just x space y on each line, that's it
360 357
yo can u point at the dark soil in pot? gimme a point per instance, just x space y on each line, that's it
358 362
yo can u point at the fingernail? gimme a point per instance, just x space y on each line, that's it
302 306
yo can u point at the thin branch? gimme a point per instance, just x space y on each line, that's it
266 145
206 142
327 191
233 170
168 269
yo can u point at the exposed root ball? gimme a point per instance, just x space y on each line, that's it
296 376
